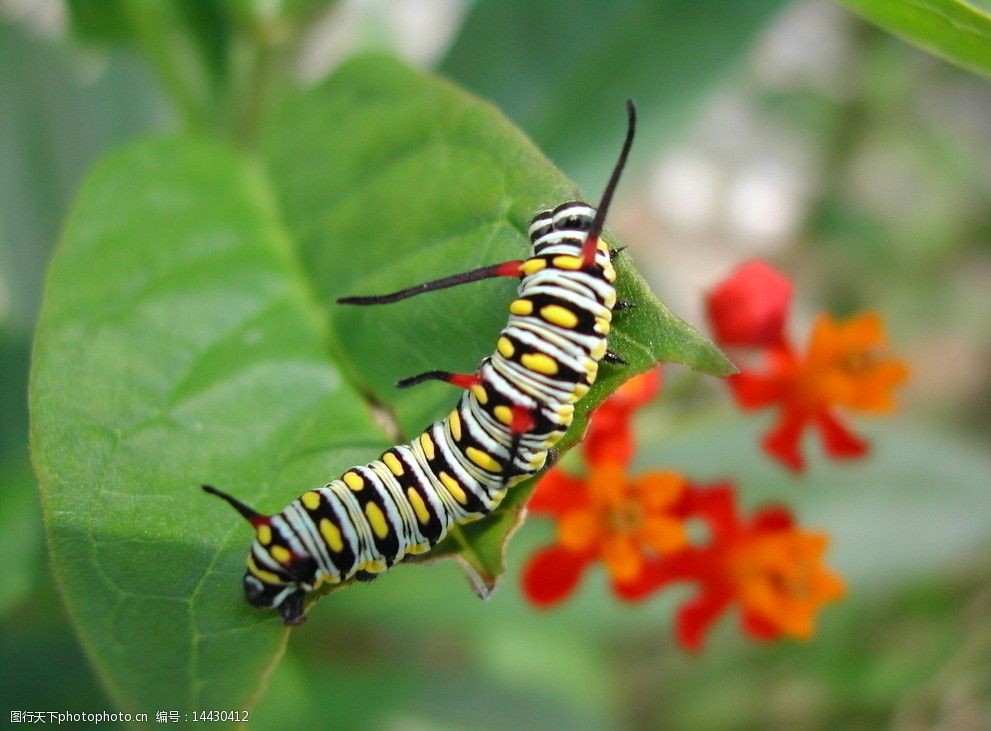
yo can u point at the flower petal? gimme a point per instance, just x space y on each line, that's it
749 307
637 391
659 489
622 557
758 627
716 505
756 390
609 438
557 493
643 585
552 574
696 617
772 518
837 440
578 530
782 442
663 534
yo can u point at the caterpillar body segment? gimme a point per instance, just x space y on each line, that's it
511 413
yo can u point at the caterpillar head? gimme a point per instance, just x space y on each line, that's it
272 578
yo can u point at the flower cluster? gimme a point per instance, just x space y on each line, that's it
844 367
638 528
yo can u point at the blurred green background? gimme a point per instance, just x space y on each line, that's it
792 131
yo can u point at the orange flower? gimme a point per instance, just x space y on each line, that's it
610 431
606 515
636 527
845 367
768 566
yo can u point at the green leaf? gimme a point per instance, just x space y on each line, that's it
562 69
389 177
101 22
189 335
956 30
178 344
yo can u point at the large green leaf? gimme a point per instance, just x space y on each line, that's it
178 344
957 30
189 334
561 69
346 159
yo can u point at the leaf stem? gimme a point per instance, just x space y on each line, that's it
177 57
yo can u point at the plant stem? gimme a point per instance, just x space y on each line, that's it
174 52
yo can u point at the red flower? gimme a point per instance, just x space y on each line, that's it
610 430
636 527
846 365
605 515
749 308
766 565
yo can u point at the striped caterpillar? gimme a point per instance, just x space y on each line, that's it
514 408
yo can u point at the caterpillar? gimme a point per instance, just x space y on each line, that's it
514 408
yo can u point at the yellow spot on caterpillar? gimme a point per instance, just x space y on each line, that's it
454 488
311 500
591 370
609 273
538 460
483 459
264 534
428 445
532 266
331 535
540 363
521 307
376 519
505 347
599 350
454 420
393 463
418 548
579 391
498 496
568 262
602 326
373 567
504 414
353 480
267 576
567 411
558 315
479 390
419 507
610 299
281 554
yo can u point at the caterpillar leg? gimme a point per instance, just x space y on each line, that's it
623 305
503 269
461 380
611 357
613 253
291 609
